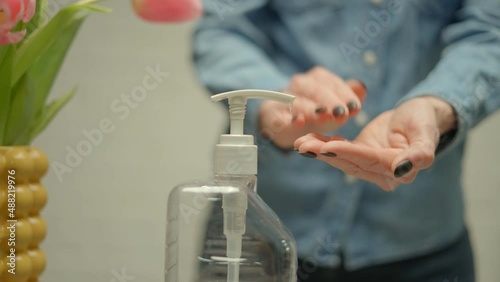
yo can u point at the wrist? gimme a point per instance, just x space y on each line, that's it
446 117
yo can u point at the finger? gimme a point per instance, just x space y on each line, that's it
303 85
386 183
310 148
420 155
375 160
309 107
337 138
275 117
408 178
339 89
332 91
315 136
303 111
359 88
310 136
311 145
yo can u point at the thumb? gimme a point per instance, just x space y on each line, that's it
418 156
421 131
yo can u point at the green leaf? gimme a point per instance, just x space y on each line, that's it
96 8
21 113
39 17
44 71
44 37
6 61
3 51
49 112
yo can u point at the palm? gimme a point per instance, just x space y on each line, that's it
383 135
391 139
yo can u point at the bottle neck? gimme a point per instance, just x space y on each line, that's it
246 181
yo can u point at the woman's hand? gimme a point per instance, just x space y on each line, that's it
392 148
324 102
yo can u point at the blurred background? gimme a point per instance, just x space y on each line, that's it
142 136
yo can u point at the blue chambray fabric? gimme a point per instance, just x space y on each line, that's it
400 50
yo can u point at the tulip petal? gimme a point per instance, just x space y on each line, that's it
11 13
11 37
29 10
167 10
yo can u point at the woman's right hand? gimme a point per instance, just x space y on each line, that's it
323 103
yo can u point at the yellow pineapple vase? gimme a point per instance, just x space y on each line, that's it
22 229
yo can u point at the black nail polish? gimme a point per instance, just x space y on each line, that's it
308 155
352 106
403 168
320 110
329 154
338 111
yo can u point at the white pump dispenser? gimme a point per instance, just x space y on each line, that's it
236 154
220 229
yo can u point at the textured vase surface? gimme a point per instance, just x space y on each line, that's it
22 229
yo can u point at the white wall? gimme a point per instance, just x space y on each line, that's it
107 215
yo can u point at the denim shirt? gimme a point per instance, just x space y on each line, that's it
400 50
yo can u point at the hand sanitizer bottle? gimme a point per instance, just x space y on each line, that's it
221 230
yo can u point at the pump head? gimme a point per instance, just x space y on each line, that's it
236 153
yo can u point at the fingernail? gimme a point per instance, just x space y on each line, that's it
296 149
362 83
338 111
308 155
320 110
352 105
403 168
329 154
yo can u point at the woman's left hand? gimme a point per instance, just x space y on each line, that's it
392 148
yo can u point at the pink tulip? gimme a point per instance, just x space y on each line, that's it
167 10
11 13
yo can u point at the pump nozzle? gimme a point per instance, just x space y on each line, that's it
238 101
236 153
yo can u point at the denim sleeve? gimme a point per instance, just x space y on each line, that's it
468 74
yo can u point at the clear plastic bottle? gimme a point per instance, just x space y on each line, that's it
221 230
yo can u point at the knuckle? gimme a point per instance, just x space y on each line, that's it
425 152
321 72
297 80
428 151
318 70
